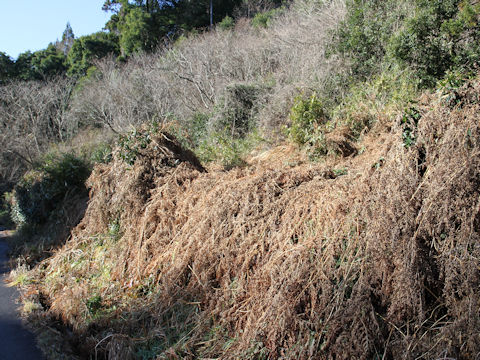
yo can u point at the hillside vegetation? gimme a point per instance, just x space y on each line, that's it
300 184
375 255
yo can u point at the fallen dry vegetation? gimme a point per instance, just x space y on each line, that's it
371 256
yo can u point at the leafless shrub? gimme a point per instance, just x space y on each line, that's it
299 37
194 74
32 116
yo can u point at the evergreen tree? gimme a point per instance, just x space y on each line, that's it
134 32
7 68
191 14
67 39
250 8
88 48
142 24
23 66
48 62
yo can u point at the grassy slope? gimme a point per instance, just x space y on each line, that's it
367 256
371 253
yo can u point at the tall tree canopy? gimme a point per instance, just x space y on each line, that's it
142 24
39 65
7 67
135 25
88 48
48 62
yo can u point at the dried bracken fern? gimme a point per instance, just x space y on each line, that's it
375 255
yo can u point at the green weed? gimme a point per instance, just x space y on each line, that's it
227 150
227 23
264 19
94 304
409 121
340 172
306 116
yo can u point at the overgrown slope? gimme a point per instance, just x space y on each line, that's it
372 256
361 244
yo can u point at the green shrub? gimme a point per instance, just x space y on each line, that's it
264 19
430 37
236 111
101 153
383 94
364 35
410 119
197 128
94 305
306 116
5 217
65 172
136 140
227 150
227 23
422 44
40 191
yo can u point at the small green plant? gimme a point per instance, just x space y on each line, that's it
306 116
135 141
340 172
177 327
227 150
382 94
257 350
264 19
94 304
227 23
197 128
409 121
20 276
102 153
379 163
40 191
114 229
448 86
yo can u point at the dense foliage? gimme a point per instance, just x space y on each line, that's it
430 37
41 191
39 65
88 48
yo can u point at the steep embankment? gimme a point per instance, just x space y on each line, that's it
373 255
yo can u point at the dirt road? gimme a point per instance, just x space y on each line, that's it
15 341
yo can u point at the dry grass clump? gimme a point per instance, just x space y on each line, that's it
372 256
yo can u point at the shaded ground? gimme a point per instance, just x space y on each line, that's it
15 341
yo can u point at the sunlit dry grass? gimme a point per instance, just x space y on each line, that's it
371 255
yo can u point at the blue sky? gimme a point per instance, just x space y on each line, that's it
33 24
